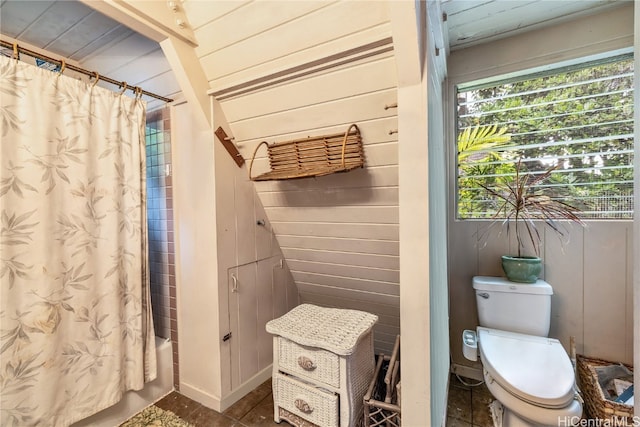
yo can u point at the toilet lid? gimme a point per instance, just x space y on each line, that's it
534 369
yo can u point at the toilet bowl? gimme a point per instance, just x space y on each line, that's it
531 376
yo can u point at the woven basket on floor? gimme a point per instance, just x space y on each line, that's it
596 405
314 156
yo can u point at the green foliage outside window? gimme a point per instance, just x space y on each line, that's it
580 120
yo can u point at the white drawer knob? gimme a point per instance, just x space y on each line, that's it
306 363
303 406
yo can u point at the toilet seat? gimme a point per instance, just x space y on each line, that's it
534 369
532 414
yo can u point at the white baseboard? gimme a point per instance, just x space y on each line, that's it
467 371
200 396
221 404
248 386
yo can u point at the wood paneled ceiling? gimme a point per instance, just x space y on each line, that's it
472 22
73 30
67 28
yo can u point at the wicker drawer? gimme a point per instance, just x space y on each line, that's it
314 405
309 363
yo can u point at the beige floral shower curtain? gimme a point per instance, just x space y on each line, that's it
75 321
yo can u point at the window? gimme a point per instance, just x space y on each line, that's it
578 121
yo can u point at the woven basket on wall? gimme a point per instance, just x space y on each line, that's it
314 156
596 405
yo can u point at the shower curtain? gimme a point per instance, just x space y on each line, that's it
75 320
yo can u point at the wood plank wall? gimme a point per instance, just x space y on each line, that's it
591 276
285 70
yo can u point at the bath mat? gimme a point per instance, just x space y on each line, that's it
155 417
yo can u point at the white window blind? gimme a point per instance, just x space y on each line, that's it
578 120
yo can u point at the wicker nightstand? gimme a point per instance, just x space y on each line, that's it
323 362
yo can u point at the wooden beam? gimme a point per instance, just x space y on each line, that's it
153 19
191 77
405 16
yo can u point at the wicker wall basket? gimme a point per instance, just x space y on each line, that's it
596 406
315 156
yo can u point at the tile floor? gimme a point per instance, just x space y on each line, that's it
253 410
467 407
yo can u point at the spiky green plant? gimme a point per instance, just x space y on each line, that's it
522 205
478 161
481 138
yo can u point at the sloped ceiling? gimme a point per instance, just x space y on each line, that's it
75 31
88 39
288 70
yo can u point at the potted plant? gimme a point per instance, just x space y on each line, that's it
520 205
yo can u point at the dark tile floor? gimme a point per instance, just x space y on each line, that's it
467 407
255 409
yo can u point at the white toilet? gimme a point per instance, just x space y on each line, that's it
529 374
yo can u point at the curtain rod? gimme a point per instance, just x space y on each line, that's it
136 90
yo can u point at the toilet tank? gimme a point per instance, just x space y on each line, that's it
514 307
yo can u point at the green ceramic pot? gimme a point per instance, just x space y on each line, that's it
522 269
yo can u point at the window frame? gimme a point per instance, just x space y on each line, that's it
518 76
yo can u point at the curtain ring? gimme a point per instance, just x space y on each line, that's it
63 65
16 53
139 92
123 89
97 78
